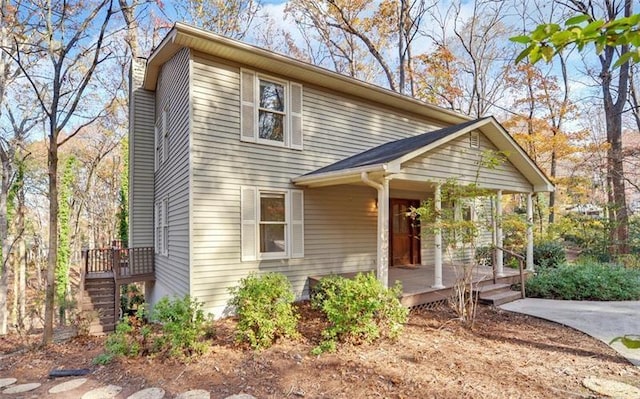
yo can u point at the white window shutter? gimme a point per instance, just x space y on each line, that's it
297 223
249 223
296 116
248 117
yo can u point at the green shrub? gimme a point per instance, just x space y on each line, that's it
182 332
358 309
184 326
549 254
130 339
264 306
586 281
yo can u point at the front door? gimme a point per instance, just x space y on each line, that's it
404 233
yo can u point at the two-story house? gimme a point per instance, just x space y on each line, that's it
243 160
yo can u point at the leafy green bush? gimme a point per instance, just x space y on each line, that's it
549 254
586 281
359 310
130 339
264 306
184 326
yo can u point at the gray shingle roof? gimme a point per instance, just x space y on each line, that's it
392 150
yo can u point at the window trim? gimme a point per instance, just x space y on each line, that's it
250 204
161 226
256 110
165 134
287 224
165 226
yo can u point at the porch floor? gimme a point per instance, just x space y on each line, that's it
417 281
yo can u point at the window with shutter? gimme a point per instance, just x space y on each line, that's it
270 110
272 224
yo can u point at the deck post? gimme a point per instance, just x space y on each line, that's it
499 254
383 234
530 232
437 258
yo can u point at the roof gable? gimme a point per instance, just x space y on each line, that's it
389 157
394 150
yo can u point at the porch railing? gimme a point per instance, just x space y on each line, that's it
123 262
521 260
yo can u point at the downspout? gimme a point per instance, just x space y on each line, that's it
382 260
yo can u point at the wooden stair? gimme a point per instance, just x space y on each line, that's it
496 294
98 303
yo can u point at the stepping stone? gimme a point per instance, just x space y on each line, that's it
22 388
241 396
616 389
195 394
149 393
7 381
68 385
107 392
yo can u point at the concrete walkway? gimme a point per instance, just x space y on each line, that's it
601 320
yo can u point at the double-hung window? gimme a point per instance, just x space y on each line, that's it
162 226
272 116
272 224
162 138
271 110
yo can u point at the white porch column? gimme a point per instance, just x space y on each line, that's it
499 255
382 267
437 259
530 232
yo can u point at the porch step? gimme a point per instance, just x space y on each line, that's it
489 289
499 297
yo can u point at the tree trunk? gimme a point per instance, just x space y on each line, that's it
4 273
52 258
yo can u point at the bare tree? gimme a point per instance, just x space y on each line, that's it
231 18
72 46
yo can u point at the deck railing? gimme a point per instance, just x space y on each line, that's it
123 262
521 260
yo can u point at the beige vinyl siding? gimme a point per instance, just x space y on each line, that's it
458 161
172 176
340 222
141 161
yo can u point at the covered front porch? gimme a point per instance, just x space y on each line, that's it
418 168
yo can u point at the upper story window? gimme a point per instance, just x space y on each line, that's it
162 138
271 110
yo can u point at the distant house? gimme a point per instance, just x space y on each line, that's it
592 210
243 160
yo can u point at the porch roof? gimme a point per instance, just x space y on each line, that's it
387 158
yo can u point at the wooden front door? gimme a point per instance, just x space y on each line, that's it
404 233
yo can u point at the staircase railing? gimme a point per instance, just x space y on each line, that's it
123 262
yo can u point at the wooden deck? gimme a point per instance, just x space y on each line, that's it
417 281
105 271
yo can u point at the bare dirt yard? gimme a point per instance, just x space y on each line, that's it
506 355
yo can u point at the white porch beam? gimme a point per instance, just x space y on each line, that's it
529 232
437 259
382 255
499 255
382 267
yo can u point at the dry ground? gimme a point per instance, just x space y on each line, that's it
506 355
